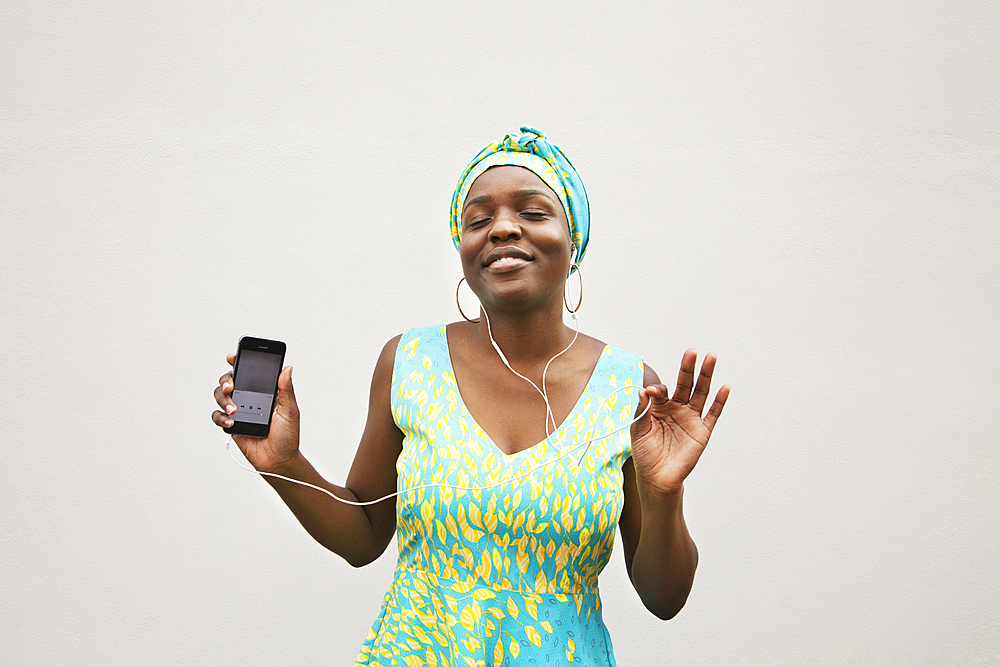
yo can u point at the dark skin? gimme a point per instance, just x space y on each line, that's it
515 254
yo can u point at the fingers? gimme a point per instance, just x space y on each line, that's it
641 425
643 400
697 402
685 376
659 394
223 392
685 380
231 358
716 409
223 396
221 419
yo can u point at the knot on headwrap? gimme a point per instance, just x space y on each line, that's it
524 142
532 150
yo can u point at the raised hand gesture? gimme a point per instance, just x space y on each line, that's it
669 439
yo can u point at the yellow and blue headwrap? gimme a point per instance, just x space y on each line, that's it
531 150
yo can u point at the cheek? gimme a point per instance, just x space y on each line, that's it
466 256
558 244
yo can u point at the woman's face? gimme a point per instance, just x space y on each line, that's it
515 246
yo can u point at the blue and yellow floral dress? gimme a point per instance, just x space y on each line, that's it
487 578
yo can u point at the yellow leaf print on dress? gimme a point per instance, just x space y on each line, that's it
488 577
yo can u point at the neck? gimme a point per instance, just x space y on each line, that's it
526 338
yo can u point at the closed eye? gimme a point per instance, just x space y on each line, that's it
476 223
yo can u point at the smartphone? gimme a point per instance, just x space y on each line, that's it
255 385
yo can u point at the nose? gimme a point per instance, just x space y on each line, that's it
505 226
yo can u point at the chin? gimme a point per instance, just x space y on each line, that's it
515 296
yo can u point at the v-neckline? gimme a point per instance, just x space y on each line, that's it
486 436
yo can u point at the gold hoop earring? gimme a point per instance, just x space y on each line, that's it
457 303
575 267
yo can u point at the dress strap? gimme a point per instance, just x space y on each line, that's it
622 369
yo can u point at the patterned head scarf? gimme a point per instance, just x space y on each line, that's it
532 150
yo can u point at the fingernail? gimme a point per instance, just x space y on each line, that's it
230 409
225 387
229 422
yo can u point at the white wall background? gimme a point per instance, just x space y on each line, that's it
807 189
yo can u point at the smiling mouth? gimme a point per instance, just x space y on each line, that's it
506 257
507 261
506 264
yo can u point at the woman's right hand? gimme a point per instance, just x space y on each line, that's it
281 446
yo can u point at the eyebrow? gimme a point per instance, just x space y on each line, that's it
520 194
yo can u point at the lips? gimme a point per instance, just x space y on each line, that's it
511 255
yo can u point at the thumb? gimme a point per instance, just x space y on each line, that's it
641 425
286 395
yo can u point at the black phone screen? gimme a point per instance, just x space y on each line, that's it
255 382
253 387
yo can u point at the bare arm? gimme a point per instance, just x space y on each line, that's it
660 555
358 534
662 570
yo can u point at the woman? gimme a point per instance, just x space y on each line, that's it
508 439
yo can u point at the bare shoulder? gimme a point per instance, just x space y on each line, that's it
382 376
389 350
590 344
649 376
585 354
388 354
459 333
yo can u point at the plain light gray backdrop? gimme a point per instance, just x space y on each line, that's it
807 189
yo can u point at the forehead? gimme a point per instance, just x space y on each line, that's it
508 178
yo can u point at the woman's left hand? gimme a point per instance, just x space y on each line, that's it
669 439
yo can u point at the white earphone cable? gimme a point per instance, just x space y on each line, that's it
549 418
459 487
